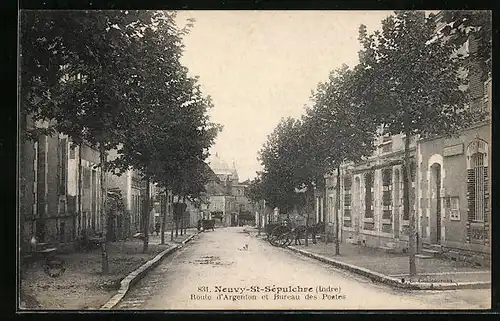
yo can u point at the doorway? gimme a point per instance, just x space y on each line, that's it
435 187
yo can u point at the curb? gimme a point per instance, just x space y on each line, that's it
381 278
136 275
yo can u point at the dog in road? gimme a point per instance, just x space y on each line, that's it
244 248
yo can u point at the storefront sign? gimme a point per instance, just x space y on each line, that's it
453 150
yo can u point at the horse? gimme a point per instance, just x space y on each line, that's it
303 231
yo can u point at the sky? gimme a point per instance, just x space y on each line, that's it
261 66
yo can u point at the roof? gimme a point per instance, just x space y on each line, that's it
218 165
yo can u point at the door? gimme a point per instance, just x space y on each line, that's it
435 218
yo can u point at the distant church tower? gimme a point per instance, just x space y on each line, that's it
234 173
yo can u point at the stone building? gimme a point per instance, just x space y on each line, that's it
227 194
50 208
449 191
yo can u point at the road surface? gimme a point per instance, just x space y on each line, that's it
229 269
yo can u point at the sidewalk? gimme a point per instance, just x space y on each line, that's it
156 239
82 286
394 268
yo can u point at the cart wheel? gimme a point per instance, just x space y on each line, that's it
282 240
279 235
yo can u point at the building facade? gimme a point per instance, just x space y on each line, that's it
227 196
449 188
55 207
49 204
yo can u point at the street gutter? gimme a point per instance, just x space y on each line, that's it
139 273
384 279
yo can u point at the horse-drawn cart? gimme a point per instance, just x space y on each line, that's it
284 233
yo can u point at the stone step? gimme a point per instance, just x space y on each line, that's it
437 247
388 249
423 256
391 245
430 252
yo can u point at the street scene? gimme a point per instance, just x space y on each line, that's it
212 271
254 160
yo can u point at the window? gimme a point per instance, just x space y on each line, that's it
386 144
72 152
62 234
347 196
63 165
477 180
85 179
387 193
452 206
369 180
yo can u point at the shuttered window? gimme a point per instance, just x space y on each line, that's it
63 165
387 193
369 182
347 196
476 187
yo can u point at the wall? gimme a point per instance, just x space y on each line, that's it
378 229
454 177
28 193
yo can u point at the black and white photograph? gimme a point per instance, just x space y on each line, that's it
254 160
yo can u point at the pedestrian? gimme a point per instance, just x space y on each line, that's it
157 228
199 225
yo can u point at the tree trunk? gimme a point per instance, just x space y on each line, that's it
78 212
183 215
176 216
309 206
173 221
337 205
259 214
164 217
324 216
146 214
104 216
408 212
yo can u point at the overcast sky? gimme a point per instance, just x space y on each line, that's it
260 66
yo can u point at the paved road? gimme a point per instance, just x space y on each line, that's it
209 272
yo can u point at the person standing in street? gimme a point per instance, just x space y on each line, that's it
157 228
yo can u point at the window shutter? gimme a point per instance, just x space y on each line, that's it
470 201
471 193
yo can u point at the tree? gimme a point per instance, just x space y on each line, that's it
279 158
343 130
290 164
461 25
73 68
412 83
255 194
161 83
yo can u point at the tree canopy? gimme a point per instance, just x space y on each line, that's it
114 80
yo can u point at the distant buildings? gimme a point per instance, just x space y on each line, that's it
227 199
